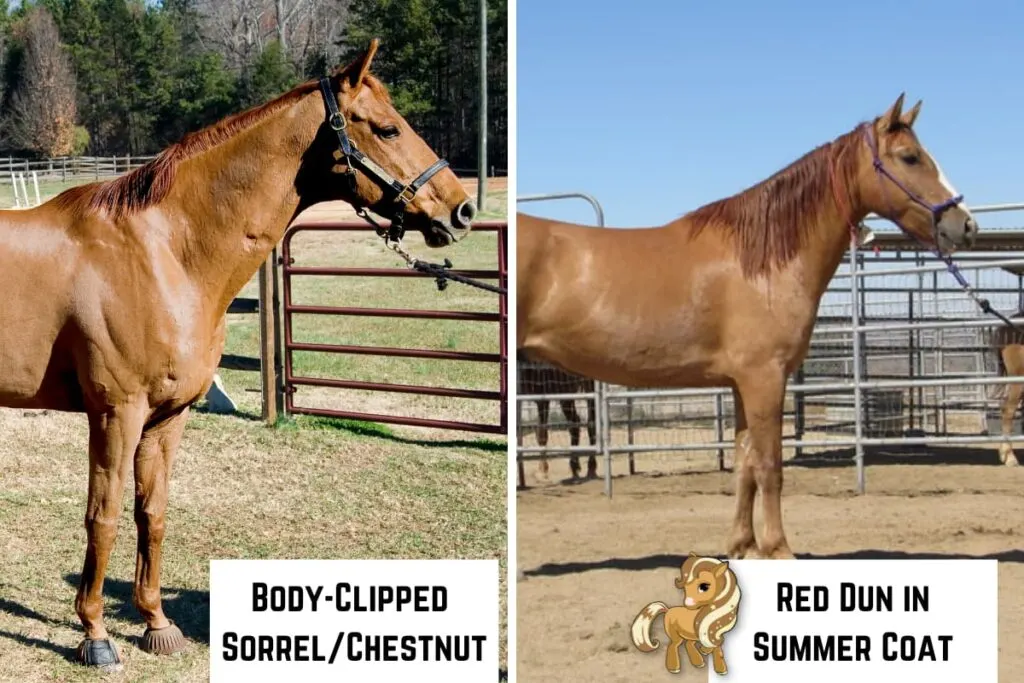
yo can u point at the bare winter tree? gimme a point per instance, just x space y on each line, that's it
240 30
42 112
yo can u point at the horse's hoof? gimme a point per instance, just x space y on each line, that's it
101 654
779 554
743 550
163 641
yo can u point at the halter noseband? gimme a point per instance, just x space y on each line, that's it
404 194
936 210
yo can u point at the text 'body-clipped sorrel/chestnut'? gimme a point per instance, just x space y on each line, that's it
727 295
116 292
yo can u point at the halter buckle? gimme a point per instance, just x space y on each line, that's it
337 122
406 195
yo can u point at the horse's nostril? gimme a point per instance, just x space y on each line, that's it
465 213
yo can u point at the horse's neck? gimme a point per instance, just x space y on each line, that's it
238 199
836 224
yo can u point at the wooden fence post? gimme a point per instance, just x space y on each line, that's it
275 279
268 371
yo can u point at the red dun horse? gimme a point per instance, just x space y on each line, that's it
116 292
728 294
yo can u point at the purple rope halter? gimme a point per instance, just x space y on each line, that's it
936 210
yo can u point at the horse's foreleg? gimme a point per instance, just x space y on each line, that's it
569 410
543 408
743 541
718 660
591 434
763 396
1010 403
153 461
694 654
113 437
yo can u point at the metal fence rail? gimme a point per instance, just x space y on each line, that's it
899 357
292 380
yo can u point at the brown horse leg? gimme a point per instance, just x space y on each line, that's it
592 435
113 437
694 654
743 541
543 408
1010 403
569 410
153 461
672 662
762 400
718 659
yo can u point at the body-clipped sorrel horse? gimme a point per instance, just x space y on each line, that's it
116 292
727 295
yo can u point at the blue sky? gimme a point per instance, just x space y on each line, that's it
657 107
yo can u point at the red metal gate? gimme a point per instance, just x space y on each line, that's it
292 381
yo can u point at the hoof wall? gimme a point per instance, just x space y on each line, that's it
101 654
164 641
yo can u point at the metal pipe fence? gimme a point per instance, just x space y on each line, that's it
294 377
897 359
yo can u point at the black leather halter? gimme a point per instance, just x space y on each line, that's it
403 194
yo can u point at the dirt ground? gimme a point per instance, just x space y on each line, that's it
587 563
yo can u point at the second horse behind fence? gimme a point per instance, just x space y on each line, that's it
540 380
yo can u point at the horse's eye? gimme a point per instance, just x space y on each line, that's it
704 587
389 132
910 159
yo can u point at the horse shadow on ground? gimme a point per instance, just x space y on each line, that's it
188 608
671 561
204 409
900 455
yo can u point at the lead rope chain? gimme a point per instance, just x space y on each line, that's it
441 272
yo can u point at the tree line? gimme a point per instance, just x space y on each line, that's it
129 77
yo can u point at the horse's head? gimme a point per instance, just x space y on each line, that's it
905 184
377 160
701 580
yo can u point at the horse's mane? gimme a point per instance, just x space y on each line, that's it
150 183
769 221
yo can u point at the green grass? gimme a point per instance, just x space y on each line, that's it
47 188
311 488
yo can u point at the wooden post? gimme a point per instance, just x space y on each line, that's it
278 322
268 372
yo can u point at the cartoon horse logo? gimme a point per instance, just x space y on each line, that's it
701 622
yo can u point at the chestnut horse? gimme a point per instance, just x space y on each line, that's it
727 295
535 380
116 292
1008 344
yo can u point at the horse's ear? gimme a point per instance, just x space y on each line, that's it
891 119
720 569
357 70
911 116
